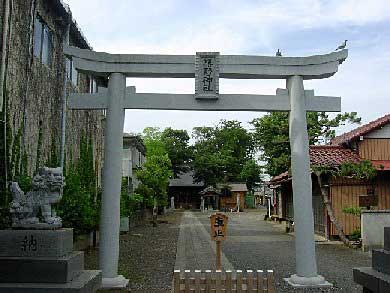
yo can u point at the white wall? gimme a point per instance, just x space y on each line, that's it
383 132
127 166
372 224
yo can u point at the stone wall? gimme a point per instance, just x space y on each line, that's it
372 224
34 93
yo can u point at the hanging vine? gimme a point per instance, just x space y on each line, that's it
363 170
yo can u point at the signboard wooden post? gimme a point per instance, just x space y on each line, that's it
218 224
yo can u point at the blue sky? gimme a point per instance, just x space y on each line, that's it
297 27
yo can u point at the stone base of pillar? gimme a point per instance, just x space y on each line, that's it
117 282
308 282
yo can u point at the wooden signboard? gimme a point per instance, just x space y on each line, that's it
218 226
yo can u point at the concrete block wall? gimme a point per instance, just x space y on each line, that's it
372 225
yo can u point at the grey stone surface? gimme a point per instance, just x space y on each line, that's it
372 279
46 190
36 243
86 282
381 260
41 269
231 66
373 223
365 277
386 241
227 102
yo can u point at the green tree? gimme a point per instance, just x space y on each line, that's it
221 152
156 171
152 137
251 173
271 135
176 143
154 176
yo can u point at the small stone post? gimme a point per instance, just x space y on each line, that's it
112 179
305 258
172 203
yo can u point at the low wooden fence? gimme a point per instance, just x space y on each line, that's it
223 281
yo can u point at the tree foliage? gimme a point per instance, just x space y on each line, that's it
157 170
271 135
80 204
251 173
221 152
176 143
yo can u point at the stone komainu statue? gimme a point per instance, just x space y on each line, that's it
47 188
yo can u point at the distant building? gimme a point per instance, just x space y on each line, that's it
368 142
262 193
134 152
225 196
185 191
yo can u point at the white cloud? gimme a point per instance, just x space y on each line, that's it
299 27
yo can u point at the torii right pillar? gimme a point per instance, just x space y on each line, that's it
305 258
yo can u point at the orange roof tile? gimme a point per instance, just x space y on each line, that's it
362 130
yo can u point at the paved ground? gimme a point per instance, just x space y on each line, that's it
255 244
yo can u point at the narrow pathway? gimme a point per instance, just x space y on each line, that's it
195 249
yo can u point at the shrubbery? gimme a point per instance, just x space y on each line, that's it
79 207
80 204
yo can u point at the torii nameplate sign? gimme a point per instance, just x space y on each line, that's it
207 68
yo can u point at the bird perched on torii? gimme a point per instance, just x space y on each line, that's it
342 46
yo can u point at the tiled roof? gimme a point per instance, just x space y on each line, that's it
280 178
238 186
362 130
327 156
185 180
331 156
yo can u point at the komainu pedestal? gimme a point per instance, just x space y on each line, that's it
376 279
37 254
43 261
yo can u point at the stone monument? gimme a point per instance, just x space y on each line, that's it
377 277
172 202
36 254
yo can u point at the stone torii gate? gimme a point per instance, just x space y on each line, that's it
207 68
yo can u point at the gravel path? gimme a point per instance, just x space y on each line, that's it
147 255
254 244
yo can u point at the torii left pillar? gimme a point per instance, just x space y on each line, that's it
112 177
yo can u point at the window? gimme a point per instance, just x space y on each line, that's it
74 75
37 37
92 85
71 72
68 65
47 46
43 41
